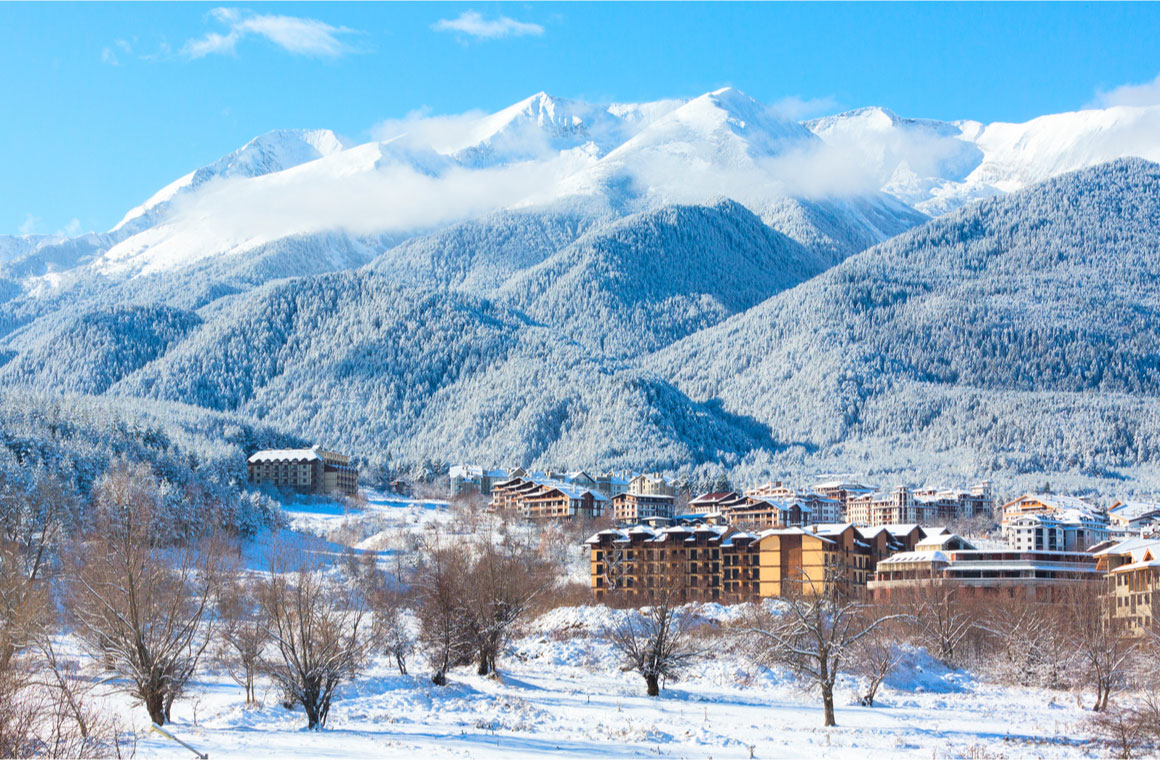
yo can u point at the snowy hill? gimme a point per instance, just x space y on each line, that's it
939 166
1015 336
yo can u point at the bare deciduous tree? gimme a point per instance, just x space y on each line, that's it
505 576
1101 646
318 630
875 658
137 601
814 631
655 641
941 618
243 634
440 586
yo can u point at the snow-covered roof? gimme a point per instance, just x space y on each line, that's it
910 558
941 540
1136 547
1133 510
1055 501
279 455
474 471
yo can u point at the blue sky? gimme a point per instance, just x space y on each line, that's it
103 104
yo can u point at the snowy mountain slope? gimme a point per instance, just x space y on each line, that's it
981 338
939 166
479 255
650 278
272 152
94 351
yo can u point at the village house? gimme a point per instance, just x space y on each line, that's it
1133 577
313 470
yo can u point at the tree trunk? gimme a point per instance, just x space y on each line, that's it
155 704
654 687
401 662
312 720
484 663
828 704
439 677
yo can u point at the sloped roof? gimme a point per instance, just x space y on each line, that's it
279 455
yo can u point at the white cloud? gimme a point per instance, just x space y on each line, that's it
798 108
29 225
473 24
1145 94
300 36
109 52
444 134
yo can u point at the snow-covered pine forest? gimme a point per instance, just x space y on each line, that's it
638 316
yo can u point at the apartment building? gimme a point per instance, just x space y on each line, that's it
1031 575
842 491
631 508
1053 523
466 478
1133 517
537 499
821 509
1133 582
313 470
721 563
925 506
651 485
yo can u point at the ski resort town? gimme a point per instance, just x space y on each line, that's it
774 540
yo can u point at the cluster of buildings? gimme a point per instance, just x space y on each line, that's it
1050 543
314 470
547 495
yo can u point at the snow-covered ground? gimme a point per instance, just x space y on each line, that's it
562 692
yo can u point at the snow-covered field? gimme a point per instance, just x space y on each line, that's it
562 692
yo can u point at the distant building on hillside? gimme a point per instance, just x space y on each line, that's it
540 495
467 478
821 508
631 508
312 470
1133 517
842 491
1047 522
925 506
651 484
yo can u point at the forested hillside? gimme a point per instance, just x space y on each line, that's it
1015 339
1017 335
197 455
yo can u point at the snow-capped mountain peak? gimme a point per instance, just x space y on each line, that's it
271 152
